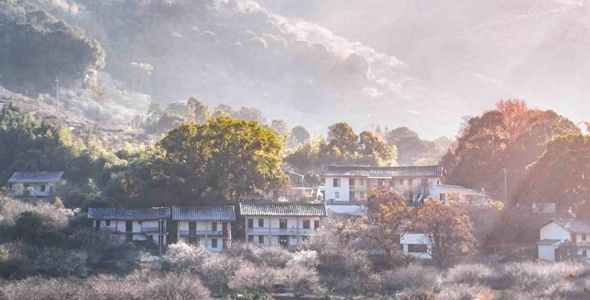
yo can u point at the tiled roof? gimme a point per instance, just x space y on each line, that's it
35 177
282 209
547 242
574 225
382 171
154 213
208 213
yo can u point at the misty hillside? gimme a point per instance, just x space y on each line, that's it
298 61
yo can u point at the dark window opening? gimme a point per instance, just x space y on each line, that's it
306 224
417 248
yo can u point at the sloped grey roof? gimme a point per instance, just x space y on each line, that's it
574 225
283 209
382 171
130 214
207 213
35 177
547 242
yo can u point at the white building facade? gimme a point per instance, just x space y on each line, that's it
353 184
557 231
35 184
133 224
207 227
284 224
417 245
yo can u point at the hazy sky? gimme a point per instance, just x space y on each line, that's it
425 64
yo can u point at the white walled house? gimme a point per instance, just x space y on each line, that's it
353 184
457 194
35 184
557 231
208 227
284 224
417 245
132 224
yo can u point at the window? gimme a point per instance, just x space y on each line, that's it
42 188
362 195
250 223
442 196
351 181
260 223
361 182
214 226
424 182
410 182
336 182
337 195
351 196
585 252
283 223
224 244
583 237
107 223
316 224
261 239
213 243
250 238
306 224
381 182
417 248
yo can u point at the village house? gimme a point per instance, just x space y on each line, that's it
557 231
133 224
285 224
353 184
208 227
35 184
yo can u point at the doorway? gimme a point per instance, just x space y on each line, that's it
129 230
284 241
192 232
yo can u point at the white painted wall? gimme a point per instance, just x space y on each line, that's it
547 252
118 226
416 239
206 243
37 187
555 231
349 209
343 190
292 223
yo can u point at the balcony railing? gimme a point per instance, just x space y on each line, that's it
202 233
146 230
279 231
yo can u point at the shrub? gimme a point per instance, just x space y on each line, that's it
175 286
273 256
184 258
254 279
13 265
536 276
12 209
58 203
300 280
41 289
34 228
304 258
414 277
464 292
60 263
219 268
472 274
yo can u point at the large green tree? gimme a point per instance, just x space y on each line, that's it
561 175
222 160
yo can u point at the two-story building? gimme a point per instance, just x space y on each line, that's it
557 231
352 184
208 227
132 224
285 224
35 184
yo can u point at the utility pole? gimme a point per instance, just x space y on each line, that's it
505 188
56 96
